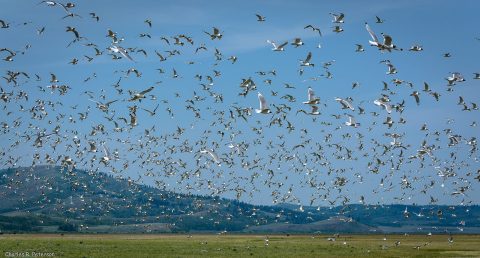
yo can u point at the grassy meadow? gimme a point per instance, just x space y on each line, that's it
79 245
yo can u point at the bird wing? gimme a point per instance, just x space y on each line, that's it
309 56
53 77
335 17
273 43
64 8
95 101
351 120
133 119
105 150
159 55
311 94
146 91
76 33
387 40
155 109
166 40
110 102
346 104
282 45
387 107
125 53
263 102
372 34
391 68
212 154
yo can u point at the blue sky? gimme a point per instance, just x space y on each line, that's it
270 170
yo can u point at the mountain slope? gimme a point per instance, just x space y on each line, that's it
86 198
50 199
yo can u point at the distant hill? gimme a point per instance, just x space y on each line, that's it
53 199
333 224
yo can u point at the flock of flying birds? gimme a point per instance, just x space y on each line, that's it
206 139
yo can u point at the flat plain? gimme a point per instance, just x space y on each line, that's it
215 245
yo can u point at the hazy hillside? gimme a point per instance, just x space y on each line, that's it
50 199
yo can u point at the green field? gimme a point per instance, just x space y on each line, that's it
239 246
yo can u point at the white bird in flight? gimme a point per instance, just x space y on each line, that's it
213 155
455 77
351 122
106 158
383 104
345 104
312 100
279 47
122 51
387 41
141 95
263 105
338 18
215 35
395 138
306 62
